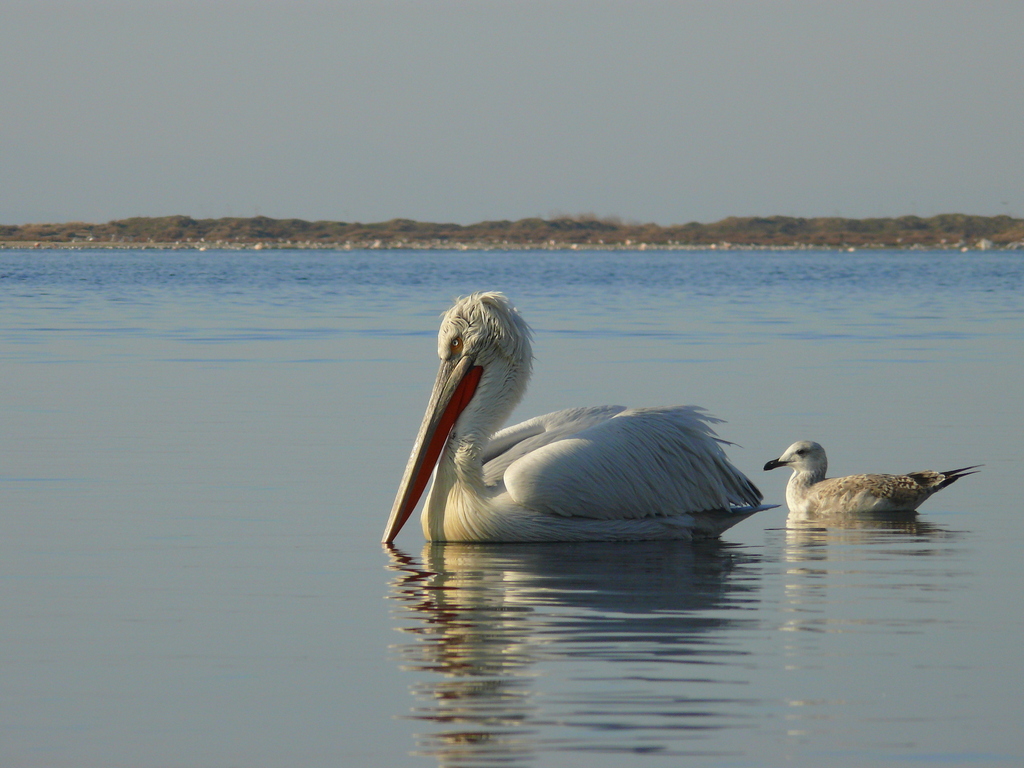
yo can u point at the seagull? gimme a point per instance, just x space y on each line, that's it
810 492
603 473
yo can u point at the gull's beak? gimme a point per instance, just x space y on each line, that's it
775 464
455 385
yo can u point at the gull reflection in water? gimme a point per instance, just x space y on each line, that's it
608 647
809 537
867 551
879 574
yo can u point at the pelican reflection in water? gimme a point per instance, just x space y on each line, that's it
604 473
535 647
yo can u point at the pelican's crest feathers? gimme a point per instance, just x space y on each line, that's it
487 320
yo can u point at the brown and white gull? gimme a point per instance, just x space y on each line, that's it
809 492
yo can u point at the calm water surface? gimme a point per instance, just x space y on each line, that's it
199 452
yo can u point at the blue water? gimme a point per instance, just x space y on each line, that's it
199 451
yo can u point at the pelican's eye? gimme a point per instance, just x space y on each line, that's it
455 345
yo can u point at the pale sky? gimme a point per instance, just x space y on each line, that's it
463 111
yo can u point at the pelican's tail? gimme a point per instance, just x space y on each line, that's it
716 521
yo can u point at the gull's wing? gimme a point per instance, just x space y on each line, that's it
868 493
880 493
640 462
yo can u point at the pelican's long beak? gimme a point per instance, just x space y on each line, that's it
775 464
454 388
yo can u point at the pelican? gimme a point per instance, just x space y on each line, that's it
604 473
809 492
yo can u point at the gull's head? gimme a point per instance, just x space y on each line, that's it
802 456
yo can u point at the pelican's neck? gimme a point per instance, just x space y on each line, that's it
458 490
459 493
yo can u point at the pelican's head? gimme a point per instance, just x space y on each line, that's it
485 325
802 456
486 358
485 331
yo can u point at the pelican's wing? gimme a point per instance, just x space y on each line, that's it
641 462
516 441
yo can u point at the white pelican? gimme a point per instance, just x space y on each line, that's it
810 492
604 473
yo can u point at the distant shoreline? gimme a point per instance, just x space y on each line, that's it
944 232
21 245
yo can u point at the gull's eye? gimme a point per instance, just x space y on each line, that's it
802 452
456 344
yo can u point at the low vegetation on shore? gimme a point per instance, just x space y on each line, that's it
945 231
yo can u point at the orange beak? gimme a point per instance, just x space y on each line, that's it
455 386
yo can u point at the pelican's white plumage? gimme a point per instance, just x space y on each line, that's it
583 474
809 492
